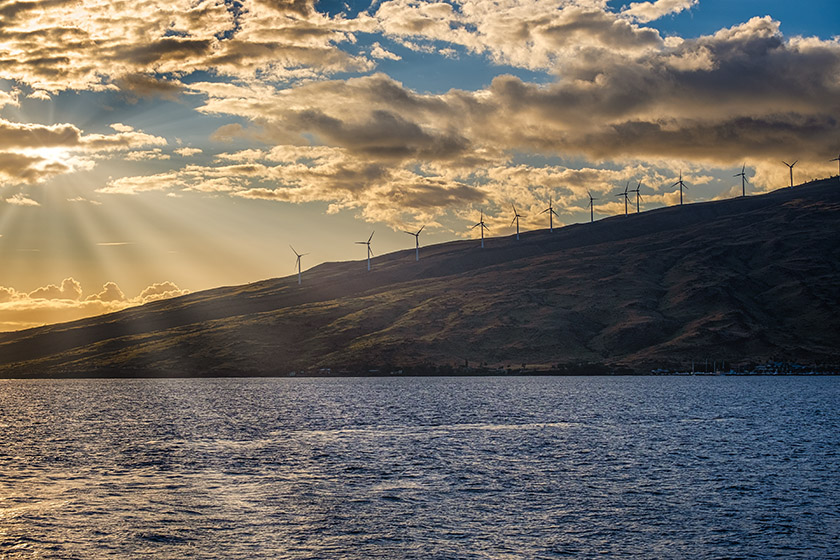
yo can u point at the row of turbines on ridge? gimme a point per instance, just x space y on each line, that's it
551 213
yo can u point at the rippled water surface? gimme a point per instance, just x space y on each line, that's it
635 467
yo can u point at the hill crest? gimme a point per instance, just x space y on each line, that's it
742 280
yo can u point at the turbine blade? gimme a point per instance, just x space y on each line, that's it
512 221
408 232
421 229
371 236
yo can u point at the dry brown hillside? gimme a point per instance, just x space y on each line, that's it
743 280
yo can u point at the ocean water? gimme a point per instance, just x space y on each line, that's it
540 467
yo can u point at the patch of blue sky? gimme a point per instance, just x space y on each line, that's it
350 8
819 18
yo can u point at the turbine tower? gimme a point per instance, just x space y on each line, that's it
638 195
516 217
591 207
790 165
682 186
297 263
369 252
837 159
743 176
416 242
483 227
551 212
626 195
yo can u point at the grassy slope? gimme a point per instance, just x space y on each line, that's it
742 280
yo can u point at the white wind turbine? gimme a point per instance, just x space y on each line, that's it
516 216
591 207
369 251
626 195
743 176
551 213
682 186
482 228
790 165
416 242
297 263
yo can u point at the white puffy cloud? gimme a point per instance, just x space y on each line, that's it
53 304
537 34
69 289
144 48
20 199
110 293
649 11
187 152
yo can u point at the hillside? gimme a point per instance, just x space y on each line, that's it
743 280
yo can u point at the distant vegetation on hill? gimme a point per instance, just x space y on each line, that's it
741 282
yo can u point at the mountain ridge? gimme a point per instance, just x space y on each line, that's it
743 280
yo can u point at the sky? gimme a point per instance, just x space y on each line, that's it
150 149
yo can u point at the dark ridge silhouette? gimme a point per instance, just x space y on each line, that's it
744 281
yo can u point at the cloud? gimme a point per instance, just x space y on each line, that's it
32 153
155 153
9 98
134 185
110 293
654 105
536 34
144 49
650 11
619 96
20 199
70 289
187 152
379 52
83 199
160 290
53 304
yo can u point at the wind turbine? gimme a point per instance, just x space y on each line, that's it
516 217
369 252
297 263
682 186
591 207
638 195
626 196
790 165
483 227
550 211
416 242
743 176
837 159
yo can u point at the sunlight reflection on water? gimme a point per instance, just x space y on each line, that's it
420 468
